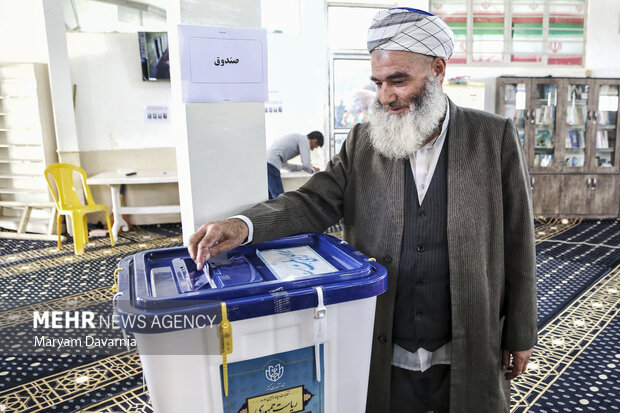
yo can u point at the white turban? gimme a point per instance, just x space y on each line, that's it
411 30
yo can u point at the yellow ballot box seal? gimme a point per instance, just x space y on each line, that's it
226 345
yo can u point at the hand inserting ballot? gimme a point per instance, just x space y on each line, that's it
216 237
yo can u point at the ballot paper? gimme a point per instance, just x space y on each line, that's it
295 262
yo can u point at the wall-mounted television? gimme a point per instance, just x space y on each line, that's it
154 55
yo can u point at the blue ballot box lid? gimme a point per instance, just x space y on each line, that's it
254 280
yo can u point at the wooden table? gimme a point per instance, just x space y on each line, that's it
114 179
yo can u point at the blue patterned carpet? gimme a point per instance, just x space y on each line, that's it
591 383
575 363
34 275
574 368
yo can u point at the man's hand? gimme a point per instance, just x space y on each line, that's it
517 365
216 237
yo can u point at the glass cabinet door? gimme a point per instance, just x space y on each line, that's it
575 135
545 105
606 120
515 103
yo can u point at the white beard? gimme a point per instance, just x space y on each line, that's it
399 136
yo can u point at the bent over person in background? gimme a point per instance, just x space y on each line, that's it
283 150
440 195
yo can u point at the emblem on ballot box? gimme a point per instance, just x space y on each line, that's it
274 373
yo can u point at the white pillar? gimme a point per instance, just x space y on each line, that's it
60 82
34 31
220 147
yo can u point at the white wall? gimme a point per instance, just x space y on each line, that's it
60 82
110 99
603 38
22 32
111 95
298 74
106 67
33 31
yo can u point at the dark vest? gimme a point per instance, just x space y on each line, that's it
422 311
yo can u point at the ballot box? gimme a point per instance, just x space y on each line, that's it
282 326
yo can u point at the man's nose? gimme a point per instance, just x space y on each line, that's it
386 95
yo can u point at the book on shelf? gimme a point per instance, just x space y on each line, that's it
549 93
574 142
543 139
543 160
574 161
519 117
510 93
602 161
576 115
544 115
607 118
578 92
574 139
602 139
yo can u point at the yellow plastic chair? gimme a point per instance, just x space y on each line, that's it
59 177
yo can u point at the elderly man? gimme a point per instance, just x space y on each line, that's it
440 195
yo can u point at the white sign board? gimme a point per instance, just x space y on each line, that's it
223 64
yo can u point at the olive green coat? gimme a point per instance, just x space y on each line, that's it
490 245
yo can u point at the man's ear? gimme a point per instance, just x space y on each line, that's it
439 68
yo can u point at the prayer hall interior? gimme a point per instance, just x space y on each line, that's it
154 101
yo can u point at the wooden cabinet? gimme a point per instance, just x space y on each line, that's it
546 194
27 146
568 128
589 195
603 199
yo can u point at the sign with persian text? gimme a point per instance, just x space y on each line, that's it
223 64
278 383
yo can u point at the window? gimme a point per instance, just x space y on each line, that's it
488 31
566 32
354 92
543 32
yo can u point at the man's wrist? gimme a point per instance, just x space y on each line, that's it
248 223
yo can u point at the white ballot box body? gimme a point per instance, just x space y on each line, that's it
191 383
300 341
